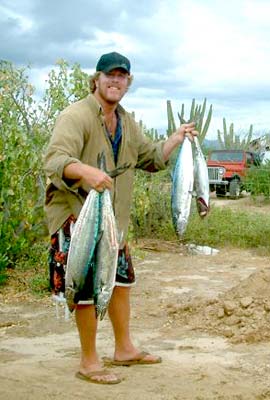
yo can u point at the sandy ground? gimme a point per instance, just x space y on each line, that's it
207 316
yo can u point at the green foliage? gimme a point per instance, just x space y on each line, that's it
21 177
151 209
229 140
65 85
223 227
233 228
151 133
257 181
24 133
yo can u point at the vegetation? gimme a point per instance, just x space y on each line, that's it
196 114
233 228
228 139
257 181
25 127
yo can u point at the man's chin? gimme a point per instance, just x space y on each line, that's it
113 100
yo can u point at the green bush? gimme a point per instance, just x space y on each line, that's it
257 181
25 127
151 208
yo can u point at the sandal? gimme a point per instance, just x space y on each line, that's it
100 377
140 359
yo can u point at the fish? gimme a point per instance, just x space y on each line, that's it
107 256
201 180
93 229
182 187
81 255
107 249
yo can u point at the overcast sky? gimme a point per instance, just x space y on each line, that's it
179 50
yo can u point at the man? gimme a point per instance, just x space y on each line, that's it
82 131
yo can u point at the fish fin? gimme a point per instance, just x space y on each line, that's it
99 236
119 170
101 163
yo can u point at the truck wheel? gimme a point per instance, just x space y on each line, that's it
221 191
235 189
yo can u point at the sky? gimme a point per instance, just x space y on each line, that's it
179 50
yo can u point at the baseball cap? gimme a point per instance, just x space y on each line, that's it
110 61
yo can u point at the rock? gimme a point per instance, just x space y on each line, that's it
220 313
248 313
228 332
246 301
232 320
229 307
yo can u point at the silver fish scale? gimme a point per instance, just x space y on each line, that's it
107 257
82 245
182 187
201 180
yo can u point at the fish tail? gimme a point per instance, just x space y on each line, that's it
202 207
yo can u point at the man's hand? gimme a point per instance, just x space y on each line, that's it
186 130
89 176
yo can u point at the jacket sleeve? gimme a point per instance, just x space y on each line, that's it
150 154
64 148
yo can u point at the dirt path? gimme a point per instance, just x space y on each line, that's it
207 316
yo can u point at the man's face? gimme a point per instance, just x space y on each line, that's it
112 86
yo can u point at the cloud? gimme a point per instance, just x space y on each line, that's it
179 50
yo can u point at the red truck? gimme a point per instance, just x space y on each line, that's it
226 170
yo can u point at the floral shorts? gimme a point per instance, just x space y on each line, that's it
58 254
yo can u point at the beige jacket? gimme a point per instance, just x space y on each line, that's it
79 135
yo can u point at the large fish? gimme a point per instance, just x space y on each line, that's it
82 250
201 181
182 187
89 236
107 256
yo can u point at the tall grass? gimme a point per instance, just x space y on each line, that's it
239 228
235 228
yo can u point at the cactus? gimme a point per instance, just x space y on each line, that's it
197 114
171 122
229 140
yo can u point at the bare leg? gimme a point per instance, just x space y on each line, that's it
87 327
119 313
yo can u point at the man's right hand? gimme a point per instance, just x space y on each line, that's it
88 175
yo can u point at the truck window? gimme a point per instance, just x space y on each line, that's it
229 156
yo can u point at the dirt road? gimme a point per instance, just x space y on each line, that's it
207 316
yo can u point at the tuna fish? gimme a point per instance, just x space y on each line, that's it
93 251
107 256
81 255
182 187
190 176
201 182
